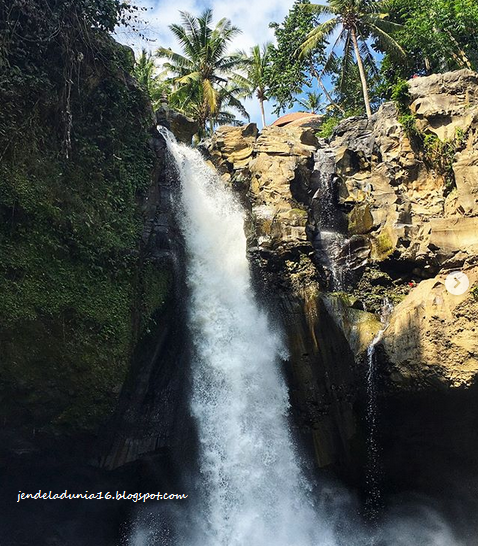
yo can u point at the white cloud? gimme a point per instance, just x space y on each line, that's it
252 18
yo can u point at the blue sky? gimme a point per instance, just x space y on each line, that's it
252 17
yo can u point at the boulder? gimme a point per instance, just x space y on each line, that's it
182 127
432 339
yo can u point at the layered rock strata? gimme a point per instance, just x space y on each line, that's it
374 212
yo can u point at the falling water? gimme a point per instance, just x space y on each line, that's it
252 486
251 490
374 493
329 240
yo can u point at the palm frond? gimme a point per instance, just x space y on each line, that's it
318 34
387 42
317 9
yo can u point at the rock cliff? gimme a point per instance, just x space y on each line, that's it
385 208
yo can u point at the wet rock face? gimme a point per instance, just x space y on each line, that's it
151 415
372 212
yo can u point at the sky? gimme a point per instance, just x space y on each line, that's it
252 17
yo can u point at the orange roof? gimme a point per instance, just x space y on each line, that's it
289 118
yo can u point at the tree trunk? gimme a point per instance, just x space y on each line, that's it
263 115
363 79
327 94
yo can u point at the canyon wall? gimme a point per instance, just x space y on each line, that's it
385 208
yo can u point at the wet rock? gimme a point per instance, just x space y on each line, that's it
182 127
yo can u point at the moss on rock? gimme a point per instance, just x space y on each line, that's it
74 166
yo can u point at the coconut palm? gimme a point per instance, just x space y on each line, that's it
254 82
313 102
200 75
357 21
145 72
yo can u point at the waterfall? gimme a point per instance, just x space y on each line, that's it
329 239
373 461
250 489
339 254
253 491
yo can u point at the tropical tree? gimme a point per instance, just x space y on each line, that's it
200 74
145 72
438 35
312 102
356 22
254 82
286 73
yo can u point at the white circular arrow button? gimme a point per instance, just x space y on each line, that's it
457 283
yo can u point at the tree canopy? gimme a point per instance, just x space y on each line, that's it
254 81
202 75
355 21
287 73
438 35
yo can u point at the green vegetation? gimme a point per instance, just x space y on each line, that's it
76 289
401 96
438 153
203 77
356 21
474 293
145 73
312 103
377 46
287 73
441 155
74 163
438 35
409 123
255 80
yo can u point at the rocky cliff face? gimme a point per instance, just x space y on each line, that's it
385 208
90 277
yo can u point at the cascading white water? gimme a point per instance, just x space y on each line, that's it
254 492
373 464
329 240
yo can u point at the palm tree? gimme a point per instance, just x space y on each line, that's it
313 102
145 72
201 73
254 83
357 20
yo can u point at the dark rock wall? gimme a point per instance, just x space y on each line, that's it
152 410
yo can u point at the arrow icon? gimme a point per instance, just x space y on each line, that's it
457 283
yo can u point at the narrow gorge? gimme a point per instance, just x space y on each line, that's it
260 322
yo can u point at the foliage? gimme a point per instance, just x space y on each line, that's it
332 118
474 293
328 125
254 82
74 161
409 123
347 87
145 72
438 35
288 73
441 155
356 22
313 102
203 75
401 96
